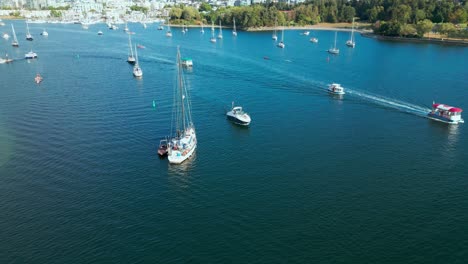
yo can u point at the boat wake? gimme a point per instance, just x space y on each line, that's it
389 102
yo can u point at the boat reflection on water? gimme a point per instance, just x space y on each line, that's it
448 152
184 168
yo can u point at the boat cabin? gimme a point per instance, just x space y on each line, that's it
187 62
446 113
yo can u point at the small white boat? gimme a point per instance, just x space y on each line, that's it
100 33
445 113
238 116
305 33
137 72
38 79
187 62
336 88
6 36
334 50
45 33
314 40
126 27
160 27
5 60
30 55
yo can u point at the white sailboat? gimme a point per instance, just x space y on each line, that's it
202 31
168 33
28 35
334 50
184 141
44 33
314 40
137 72
15 42
281 43
220 34
131 58
234 32
212 39
126 27
275 36
350 42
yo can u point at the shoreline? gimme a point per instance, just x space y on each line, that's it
417 40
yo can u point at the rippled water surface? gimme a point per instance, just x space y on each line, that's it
315 179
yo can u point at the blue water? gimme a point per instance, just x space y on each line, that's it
315 179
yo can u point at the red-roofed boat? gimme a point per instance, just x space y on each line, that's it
446 114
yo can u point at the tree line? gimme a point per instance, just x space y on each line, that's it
390 17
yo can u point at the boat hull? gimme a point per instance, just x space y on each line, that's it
444 119
178 159
237 120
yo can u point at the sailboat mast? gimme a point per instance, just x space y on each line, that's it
335 40
234 25
181 88
14 33
130 45
136 54
352 32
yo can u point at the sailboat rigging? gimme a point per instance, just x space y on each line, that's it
350 43
184 142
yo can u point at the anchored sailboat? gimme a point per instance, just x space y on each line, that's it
131 58
14 43
334 50
350 42
234 32
184 142
28 35
137 72
220 34
281 43
212 39
275 36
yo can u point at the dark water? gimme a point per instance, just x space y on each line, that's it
315 179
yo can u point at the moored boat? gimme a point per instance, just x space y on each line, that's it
445 113
305 33
38 79
184 142
162 149
334 50
30 55
238 116
187 62
336 88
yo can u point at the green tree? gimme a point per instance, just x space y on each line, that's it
407 30
348 12
401 13
446 28
459 15
176 12
204 6
424 27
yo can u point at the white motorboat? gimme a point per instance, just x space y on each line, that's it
137 72
336 88
30 55
238 116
